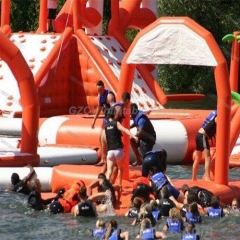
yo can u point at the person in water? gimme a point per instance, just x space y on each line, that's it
27 184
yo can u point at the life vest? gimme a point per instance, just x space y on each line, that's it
115 235
86 209
133 212
189 236
184 210
99 232
174 225
103 100
193 218
156 214
21 187
209 125
214 212
113 135
70 197
148 234
137 117
159 180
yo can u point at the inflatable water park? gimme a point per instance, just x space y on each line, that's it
48 94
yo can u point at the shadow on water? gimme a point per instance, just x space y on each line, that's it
19 222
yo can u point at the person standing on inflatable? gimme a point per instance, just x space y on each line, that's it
145 133
52 11
207 131
106 99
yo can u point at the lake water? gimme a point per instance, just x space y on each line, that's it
19 222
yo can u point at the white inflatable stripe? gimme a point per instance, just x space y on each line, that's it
48 130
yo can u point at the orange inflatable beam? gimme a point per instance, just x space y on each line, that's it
60 44
30 115
234 66
78 14
6 29
98 58
5 13
222 86
43 15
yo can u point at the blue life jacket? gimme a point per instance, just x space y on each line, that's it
189 236
138 116
214 212
156 214
209 125
174 226
114 235
148 234
193 218
159 180
99 232
120 119
103 100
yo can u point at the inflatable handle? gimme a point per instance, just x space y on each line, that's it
235 97
228 38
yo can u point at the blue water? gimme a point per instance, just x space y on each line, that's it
19 222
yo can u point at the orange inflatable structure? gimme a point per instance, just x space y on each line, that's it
59 73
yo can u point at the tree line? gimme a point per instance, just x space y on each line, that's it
220 17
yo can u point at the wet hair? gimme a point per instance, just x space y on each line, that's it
174 214
15 178
191 197
154 205
100 83
83 192
56 207
165 192
193 208
100 223
101 176
215 201
184 188
112 226
137 202
190 228
126 96
145 223
134 108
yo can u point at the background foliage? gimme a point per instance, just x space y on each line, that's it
218 16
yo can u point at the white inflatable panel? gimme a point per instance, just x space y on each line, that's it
48 131
9 143
52 156
10 126
236 150
172 136
43 174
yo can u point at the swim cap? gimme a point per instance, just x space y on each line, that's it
56 207
15 178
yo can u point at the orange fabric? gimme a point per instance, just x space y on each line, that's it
140 180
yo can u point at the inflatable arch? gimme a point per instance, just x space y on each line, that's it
30 115
180 40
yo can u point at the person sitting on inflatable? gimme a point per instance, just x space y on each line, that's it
106 193
142 189
27 184
85 207
67 198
